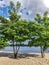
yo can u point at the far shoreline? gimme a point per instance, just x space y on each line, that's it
22 52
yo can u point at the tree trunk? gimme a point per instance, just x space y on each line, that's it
15 55
14 50
42 52
17 49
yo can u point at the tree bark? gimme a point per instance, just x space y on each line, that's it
17 49
42 52
14 50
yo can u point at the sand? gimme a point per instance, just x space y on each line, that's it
23 59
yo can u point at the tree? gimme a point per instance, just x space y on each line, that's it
14 11
14 17
22 33
3 43
3 20
42 31
15 30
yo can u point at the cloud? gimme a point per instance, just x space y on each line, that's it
1 3
7 2
32 7
28 10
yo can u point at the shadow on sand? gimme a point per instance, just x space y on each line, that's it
26 55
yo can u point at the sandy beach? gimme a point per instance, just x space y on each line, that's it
23 59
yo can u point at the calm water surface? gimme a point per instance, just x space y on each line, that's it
25 49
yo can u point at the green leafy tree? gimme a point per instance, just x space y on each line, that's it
3 43
42 33
15 30
22 33
14 17
14 11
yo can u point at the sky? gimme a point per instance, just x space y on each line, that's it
29 8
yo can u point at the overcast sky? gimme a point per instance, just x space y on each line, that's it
29 8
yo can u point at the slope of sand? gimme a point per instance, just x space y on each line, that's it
23 59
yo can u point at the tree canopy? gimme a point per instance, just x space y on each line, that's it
17 30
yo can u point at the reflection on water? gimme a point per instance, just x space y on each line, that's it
25 49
